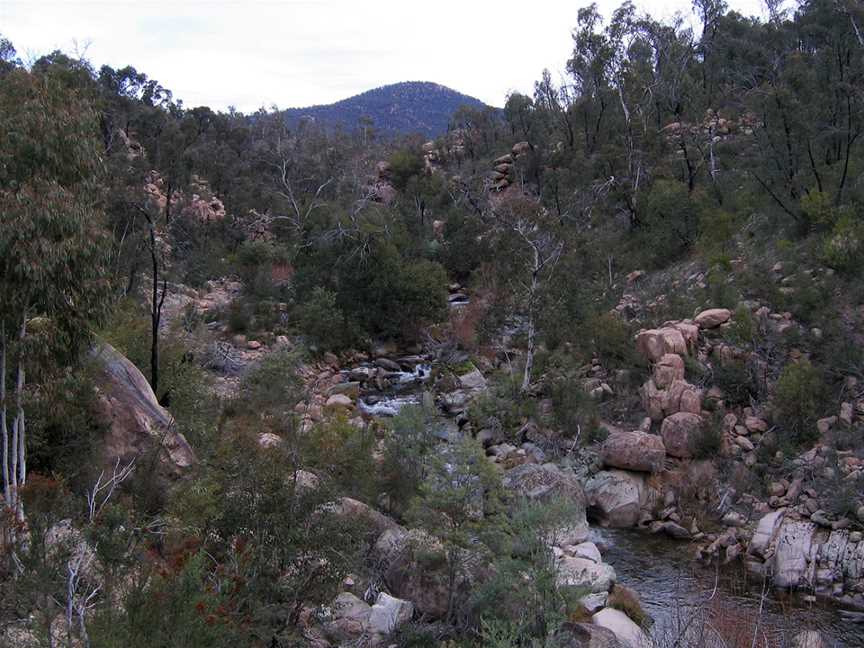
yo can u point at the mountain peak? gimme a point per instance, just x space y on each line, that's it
421 107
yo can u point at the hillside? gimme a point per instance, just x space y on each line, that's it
399 108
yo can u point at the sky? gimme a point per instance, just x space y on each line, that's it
294 53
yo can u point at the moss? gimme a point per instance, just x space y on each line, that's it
627 601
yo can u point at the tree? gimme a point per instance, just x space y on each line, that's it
53 250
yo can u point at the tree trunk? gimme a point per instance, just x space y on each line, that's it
5 429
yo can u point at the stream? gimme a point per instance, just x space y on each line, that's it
671 585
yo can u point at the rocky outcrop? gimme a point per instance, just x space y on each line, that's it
137 424
617 497
633 451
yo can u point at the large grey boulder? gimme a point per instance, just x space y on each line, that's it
630 634
137 424
634 451
766 531
616 497
584 574
389 613
791 561
585 635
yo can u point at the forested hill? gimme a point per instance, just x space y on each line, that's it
399 108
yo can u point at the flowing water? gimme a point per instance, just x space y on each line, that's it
672 586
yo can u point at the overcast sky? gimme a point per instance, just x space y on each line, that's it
303 52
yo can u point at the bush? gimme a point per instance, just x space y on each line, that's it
668 222
708 443
323 321
843 248
613 341
798 399
736 381
627 601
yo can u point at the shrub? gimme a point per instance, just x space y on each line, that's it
708 442
843 248
627 601
323 321
736 381
612 340
798 399
343 452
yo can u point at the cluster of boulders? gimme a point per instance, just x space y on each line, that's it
713 127
199 202
501 175
382 189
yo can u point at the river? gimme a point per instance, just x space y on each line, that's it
671 586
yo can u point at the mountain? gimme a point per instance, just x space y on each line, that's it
399 108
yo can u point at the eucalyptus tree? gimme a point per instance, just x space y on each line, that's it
53 249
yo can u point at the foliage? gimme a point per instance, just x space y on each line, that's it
798 399
321 319
407 444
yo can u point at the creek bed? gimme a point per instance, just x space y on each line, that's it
671 585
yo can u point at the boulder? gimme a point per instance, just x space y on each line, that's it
520 148
668 368
339 401
585 635
584 574
809 639
353 510
389 613
766 531
349 620
616 497
137 424
713 317
269 440
634 451
791 556
630 634
679 432
473 380
586 550
655 343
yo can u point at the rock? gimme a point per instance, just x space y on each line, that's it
388 364
504 159
473 380
734 519
790 560
616 497
545 482
847 413
269 440
713 317
389 613
253 345
350 618
634 451
585 635
755 424
679 432
824 425
625 629
594 602
136 422
744 443
809 639
668 369
586 550
339 401
655 343
674 530
350 389
584 574
305 481
352 510
520 148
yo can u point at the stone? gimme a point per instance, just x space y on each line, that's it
544 482
339 401
616 497
389 613
809 639
655 343
847 413
473 380
625 629
520 148
667 369
734 519
269 440
350 389
585 635
253 345
136 422
790 560
744 443
634 451
594 602
586 550
350 618
755 424
584 574
679 432
824 425
713 317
